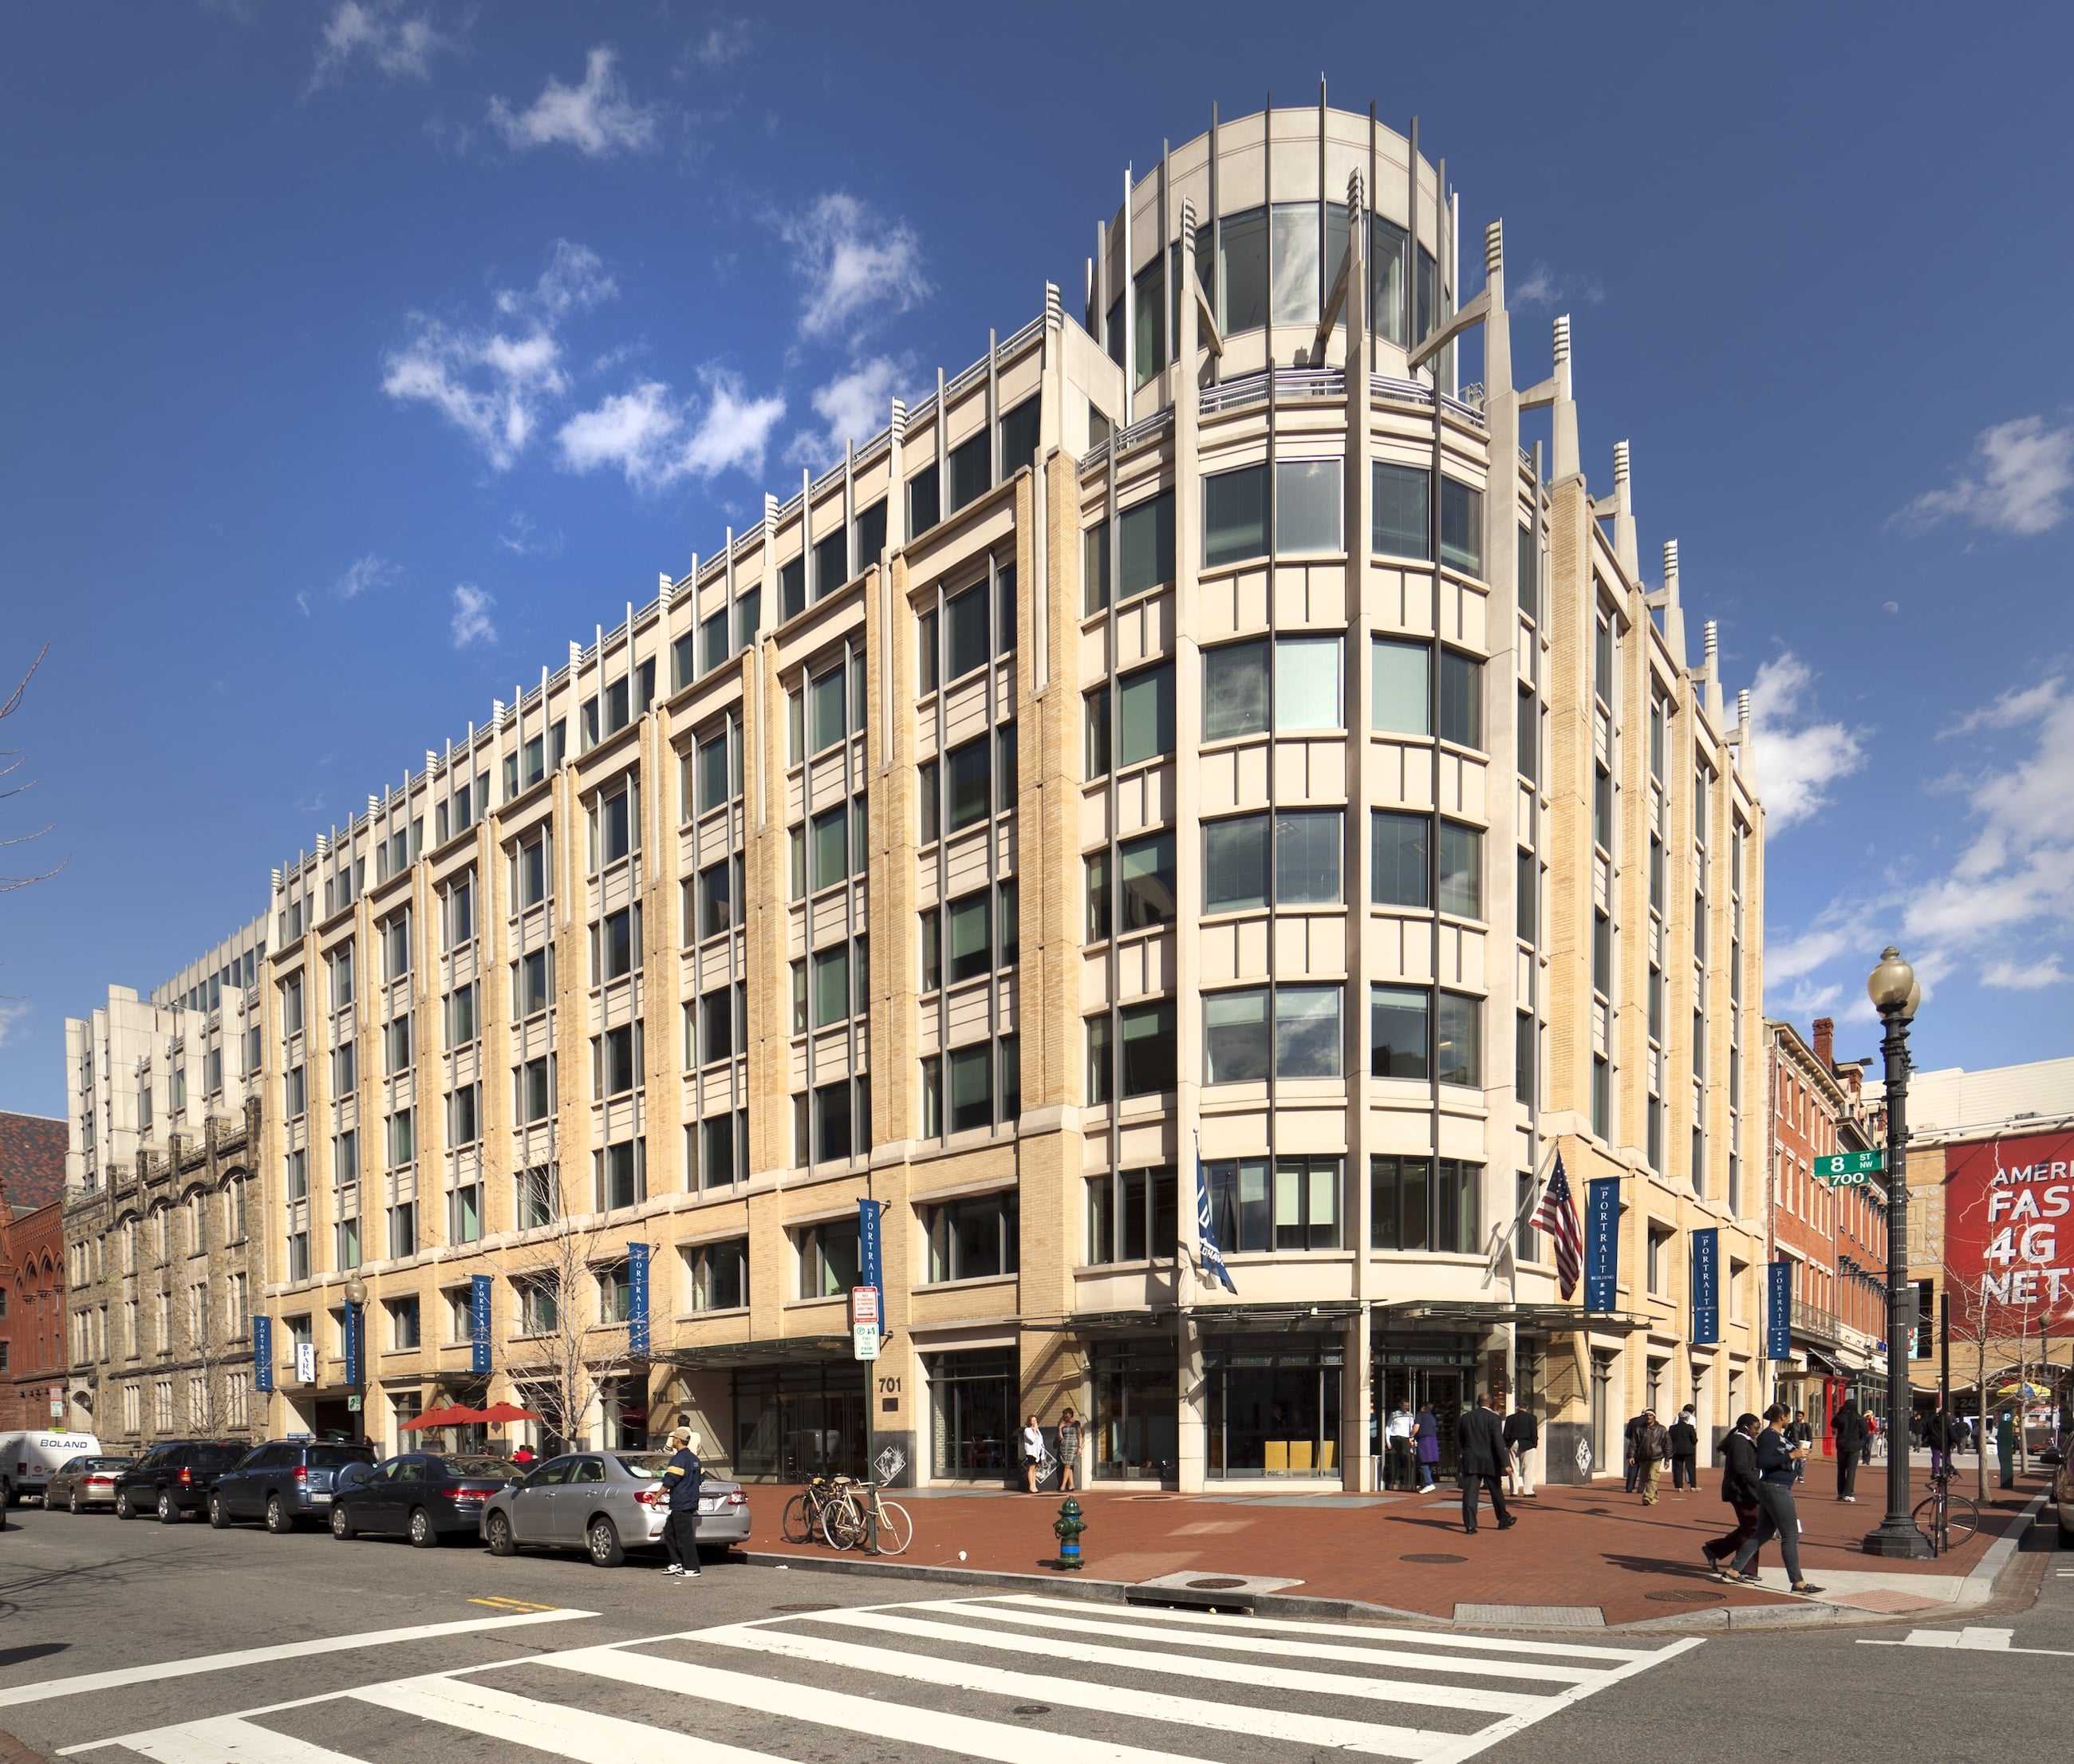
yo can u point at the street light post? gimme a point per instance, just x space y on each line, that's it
356 1335
1895 995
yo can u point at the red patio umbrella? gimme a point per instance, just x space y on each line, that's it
431 1417
504 1411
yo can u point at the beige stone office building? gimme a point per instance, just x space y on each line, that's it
1196 734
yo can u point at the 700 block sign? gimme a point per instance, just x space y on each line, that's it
1848 1167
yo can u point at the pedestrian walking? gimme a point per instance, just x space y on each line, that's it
1480 1451
1778 1459
1683 1438
1633 1458
1398 1467
1739 1490
682 1478
1848 1428
2006 1447
1426 1436
1069 1450
1652 1442
1034 1453
1522 1440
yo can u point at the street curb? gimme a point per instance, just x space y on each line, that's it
1980 1583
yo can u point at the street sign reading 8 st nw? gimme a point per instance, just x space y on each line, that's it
1849 1167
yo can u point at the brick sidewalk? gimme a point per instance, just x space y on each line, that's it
1573 1547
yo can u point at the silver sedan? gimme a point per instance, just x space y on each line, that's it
603 1503
80 1483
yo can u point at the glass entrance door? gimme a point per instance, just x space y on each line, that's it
1439 1390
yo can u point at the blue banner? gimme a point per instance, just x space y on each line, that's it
478 1323
870 1267
1779 1311
637 1299
262 1353
1601 1242
355 1327
1212 1257
1706 1287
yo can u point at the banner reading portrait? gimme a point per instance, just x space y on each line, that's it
2009 1225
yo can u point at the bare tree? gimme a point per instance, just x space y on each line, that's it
576 1341
1980 1317
11 759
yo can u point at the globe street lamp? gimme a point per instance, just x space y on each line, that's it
356 1341
1895 994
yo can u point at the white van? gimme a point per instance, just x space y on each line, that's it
28 1461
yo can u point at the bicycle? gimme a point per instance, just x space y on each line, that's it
1945 1518
805 1511
846 1524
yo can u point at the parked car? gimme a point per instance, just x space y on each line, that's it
28 1461
173 1478
425 1496
281 1483
84 1481
605 1503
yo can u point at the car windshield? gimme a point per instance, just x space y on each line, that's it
105 1464
215 1457
502 1469
644 1463
333 1457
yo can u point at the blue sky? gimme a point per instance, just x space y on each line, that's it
402 342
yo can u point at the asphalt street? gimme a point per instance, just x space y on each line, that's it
187 1645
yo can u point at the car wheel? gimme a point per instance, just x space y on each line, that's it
341 1524
122 1507
502 1543
601 1539
73 1503
168 1513
424 1533
278 1520
218 1519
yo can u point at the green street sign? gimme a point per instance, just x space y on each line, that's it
1850 1167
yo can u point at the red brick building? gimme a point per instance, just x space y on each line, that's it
1835 1237
32 1319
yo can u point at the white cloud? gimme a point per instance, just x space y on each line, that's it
1807 1001
598 117
1541 286
654 439
1798 760
1814 948
494 381
2023 473
472 622
853 407
2025 977
724 42
2020 704
364 573
854 263
12 1012
400 47
523 538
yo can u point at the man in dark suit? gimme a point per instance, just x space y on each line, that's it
1480 1449
1847 1427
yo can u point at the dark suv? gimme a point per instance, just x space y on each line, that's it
282 1483
173 1479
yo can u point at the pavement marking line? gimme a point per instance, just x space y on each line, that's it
553 1727
1471 1744
1435 1638
513 1605
1174 1665
967 1735
1432 1659
1326 1731
260 1656
225 1739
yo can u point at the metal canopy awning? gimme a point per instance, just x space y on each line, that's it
1295 1314
781 1350
1494 1313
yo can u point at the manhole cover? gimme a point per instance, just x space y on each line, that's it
1432 1559
1691 1595
1216 1586
1033 1709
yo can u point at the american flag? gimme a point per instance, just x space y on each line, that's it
1557 1215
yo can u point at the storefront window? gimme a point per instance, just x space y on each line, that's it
972 1405
1136 1410
1273 1407
794 1422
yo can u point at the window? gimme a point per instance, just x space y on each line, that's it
622 1174
404 1238
1308 848
291 1005
827 713
1241 244
1527 732
1235 689
1602 807
974 1238
1145 552
1148 1032
1399 1031
1145 720
1307 683
346 1158
465 1115
539 1309
460 912
1401 687
396 947
1457 1050
967 784
1148 296
1602 1098
1526 895
1019 430
1258 1206
1461 526
396 1048
831 562
1660 1260
1400 520
1305 1043
792 588
1398 858
349 1243
1145 872
402 1323
1602 954
1295 263
1461 870
1234 515
615 1067
461 1016
966 621
831 995
612 944
924 502
402 1139
1425 1204
967 1074
830 845
297 1179
1461 699
719 768
716 1275
1525 1054
723 1150
1529 572
341 978
1307 852
529 872
870 527
296 1084
1131 1217
828 1254
970 465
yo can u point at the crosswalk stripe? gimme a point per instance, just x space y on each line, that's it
1427 1638
1170 1664
227 1740
918 1726
1430 1659
580 1734
1374 1738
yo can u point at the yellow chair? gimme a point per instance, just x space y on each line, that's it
1328 1456
1299 1456
1277 1458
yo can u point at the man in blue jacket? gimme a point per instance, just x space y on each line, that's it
681 1480
1778 1460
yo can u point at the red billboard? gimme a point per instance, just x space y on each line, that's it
2009 1227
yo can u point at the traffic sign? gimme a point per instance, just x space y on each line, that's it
1850 1166
863 1306
864 1341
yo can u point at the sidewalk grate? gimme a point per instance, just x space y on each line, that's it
1546 1617
1431 1558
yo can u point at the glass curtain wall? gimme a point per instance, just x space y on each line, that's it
1274 1407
